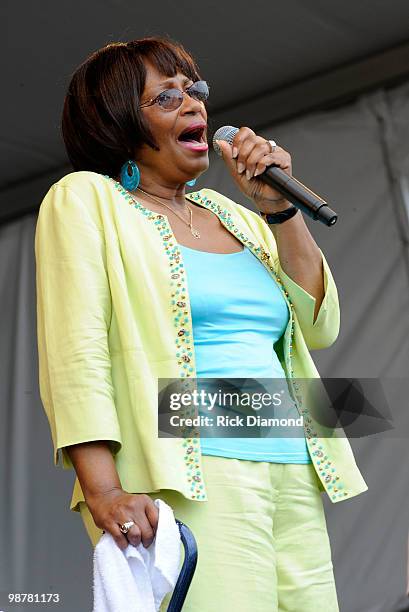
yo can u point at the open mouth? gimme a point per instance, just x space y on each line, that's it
193 138
192 135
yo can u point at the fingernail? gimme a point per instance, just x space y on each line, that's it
248 175
256 173
240 167
235 152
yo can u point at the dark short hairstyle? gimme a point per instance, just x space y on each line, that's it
102 125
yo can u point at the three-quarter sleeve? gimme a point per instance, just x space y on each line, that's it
73 319
322 332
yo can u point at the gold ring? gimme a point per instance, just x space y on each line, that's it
125 527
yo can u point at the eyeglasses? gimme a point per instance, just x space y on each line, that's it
171 99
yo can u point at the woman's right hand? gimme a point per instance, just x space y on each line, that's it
112 509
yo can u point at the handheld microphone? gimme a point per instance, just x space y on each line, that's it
294 191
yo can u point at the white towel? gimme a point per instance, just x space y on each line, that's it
137 578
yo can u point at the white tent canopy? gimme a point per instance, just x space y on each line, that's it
264 61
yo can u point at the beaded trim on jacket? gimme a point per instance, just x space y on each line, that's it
183 334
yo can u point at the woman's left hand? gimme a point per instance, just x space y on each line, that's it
253 157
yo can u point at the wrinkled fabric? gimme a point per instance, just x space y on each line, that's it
106 332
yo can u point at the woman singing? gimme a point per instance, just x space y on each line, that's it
138 280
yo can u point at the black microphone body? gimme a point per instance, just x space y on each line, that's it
293 190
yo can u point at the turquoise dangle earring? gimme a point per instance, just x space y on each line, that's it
130 175
191 183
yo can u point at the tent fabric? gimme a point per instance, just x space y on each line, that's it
244 49
357 158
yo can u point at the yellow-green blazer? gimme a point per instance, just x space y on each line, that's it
113 315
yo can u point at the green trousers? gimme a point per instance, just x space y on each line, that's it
262 539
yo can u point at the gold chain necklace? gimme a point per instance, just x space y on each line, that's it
194 231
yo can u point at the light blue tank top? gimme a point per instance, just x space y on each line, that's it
238 313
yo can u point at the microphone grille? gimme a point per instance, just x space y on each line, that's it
227 132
